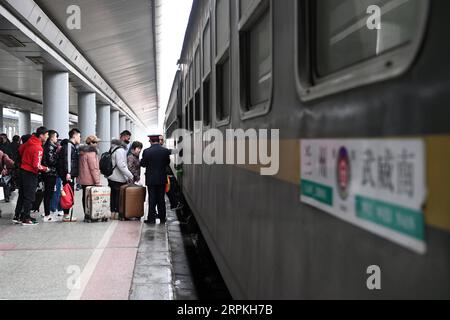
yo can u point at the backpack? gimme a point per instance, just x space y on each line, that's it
106 163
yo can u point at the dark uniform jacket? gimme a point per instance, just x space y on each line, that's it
155 160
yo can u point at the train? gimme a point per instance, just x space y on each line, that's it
357 77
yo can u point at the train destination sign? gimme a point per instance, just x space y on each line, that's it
378 185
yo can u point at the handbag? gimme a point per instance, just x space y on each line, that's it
168 185
67 197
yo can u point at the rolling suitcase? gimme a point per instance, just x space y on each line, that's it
98 204
132 199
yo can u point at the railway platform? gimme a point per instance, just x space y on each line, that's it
80 261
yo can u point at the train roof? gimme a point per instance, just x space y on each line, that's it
192 18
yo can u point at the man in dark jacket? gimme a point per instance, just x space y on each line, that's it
155 160
31 154
68 164
5 145
15 144
50 160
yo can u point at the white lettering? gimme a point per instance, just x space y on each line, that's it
374 281
374 21
74 20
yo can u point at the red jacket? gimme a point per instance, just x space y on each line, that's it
31 154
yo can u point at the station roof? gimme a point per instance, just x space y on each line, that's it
117 38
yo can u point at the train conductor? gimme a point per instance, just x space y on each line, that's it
155 160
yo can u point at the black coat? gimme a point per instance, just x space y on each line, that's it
155 160
68 160
50 158
6 148
15 151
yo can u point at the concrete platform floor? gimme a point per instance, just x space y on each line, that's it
79 261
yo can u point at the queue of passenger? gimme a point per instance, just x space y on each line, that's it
64 165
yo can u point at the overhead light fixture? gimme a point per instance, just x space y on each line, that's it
11 41
37 60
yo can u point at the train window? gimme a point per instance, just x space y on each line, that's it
191 115
343 38
222 25
255 38
355 42
182 95
198 115
223 64
207 50
207 102
223 89
189 85
191 80
186 117
197 69
185 90
196 111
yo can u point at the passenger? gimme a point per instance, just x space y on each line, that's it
126 138
121 175
155 160
24 139
68 165
15 144
89 167
6 166
134 164
5 145
16 158
50 160
55 206
175 203
31 154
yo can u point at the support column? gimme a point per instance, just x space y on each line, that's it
56 102
87 114
122 124
104 127
128 125
115 125
24 122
